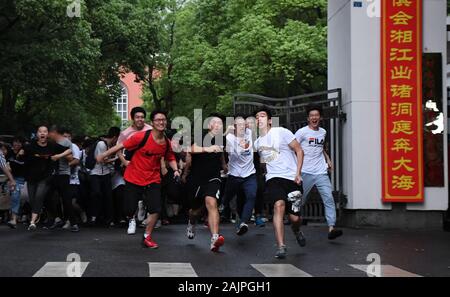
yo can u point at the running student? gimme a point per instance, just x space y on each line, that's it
283 157
138 115
142 175
206 164
242 173
316 165
39 156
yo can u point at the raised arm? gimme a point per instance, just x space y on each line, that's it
101 157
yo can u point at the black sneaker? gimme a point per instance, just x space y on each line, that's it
57 224
333 234
301 239
74 228
281 252
12 225
243 228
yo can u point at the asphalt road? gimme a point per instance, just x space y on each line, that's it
113 253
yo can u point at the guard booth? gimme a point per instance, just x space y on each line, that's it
290 113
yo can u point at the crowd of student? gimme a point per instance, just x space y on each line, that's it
147 175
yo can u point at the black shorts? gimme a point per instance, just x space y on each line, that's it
210 189
279 189
151 195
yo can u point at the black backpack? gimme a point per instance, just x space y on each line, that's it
90 156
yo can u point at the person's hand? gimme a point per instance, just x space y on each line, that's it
21 153
12 185
216 149
330 166
55 158
298 179
126 163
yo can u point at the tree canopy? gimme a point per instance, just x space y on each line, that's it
65 70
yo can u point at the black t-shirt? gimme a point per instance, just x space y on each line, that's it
17 164
206 166
38 164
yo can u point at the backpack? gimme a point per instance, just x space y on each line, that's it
90 156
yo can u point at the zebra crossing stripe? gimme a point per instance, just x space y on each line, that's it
280 270
62 269
158 269
385 271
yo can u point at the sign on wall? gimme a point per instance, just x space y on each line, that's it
401 104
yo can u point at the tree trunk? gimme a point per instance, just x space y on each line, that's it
7 111
152 88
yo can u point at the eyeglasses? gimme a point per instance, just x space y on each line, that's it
160 120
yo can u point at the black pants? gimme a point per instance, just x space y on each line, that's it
61 184
259 202
151 195
119 203
101 197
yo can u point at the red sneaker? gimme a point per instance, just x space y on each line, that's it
216 244
148 242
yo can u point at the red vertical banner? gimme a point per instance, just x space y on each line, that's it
401 101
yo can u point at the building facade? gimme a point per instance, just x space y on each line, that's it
355 65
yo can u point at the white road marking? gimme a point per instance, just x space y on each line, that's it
62 269
158 269
280 270
386 271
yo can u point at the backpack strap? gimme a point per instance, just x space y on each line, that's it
144 140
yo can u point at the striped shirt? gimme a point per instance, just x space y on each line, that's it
2 161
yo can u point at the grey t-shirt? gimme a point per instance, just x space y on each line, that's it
100 168
63 167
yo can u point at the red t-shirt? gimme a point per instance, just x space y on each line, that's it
145 166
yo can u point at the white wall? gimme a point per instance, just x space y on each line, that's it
339 74
354 65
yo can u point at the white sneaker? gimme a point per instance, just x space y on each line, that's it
158 224
67 225
141 211
190 231
131 227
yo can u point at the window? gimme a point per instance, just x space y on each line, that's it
122 105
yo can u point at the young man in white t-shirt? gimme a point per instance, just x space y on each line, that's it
241 171
283 157
316 165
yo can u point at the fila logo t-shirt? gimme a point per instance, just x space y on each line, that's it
312 143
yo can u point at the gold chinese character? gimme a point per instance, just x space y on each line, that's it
400 54
402 127
402 91
398 109
401 72
401 18
404 182
403 163
402 144
401 36
398 3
